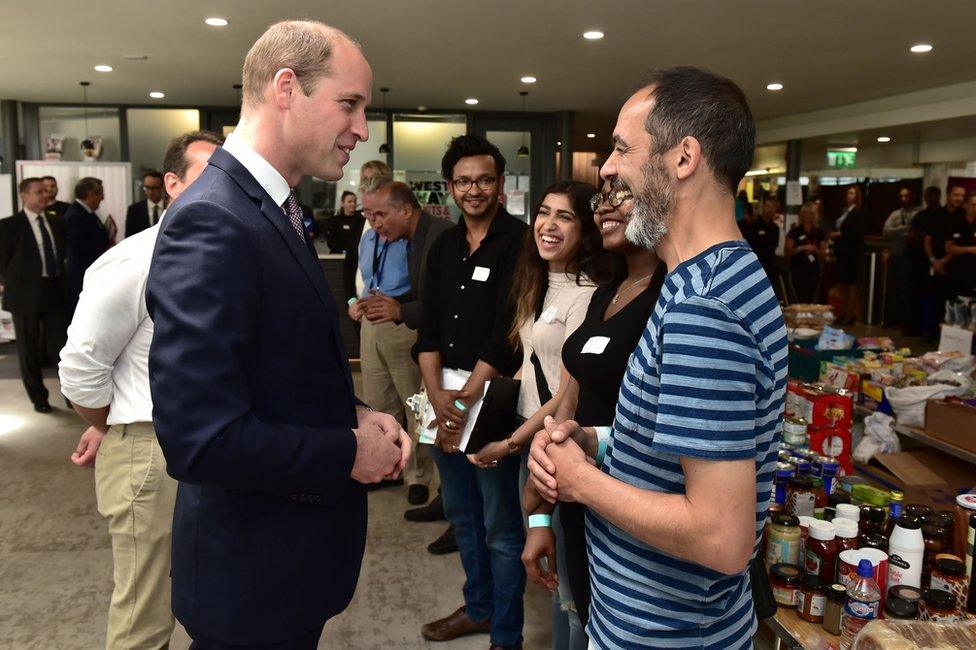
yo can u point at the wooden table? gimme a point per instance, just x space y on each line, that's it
793 632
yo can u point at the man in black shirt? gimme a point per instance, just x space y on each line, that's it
936 231
920 312
763 235
961 244
466 314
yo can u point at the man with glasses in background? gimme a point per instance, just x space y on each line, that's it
145 214
466 315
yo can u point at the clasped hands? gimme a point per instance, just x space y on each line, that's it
451 418
377 308
383 448
557 463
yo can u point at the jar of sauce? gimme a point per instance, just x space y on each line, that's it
916 510
783 544
785 580
848 511
784 472
938 605
872 520
900 609
821 552
804 534
934 538
819 498
836 599
950 575
846 534
800 496
965 506
874 540
906 592
811 600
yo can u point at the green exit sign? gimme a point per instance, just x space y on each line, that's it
841 159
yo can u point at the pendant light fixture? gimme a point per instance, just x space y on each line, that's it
523 151
384 148
86 143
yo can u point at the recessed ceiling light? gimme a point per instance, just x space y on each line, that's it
591 135
884 139
216 22
471 101
921 48
774 86
103 68
529 79
559 143
593 35
157 94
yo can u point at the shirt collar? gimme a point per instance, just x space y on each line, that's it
154 205
501 223
267 176
33 215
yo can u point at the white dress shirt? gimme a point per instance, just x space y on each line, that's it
36 228
267 176
149 206
106 359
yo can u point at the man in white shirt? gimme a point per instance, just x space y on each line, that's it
896 230
145 214
32 248
105 372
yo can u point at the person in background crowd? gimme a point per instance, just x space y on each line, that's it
253 400
804 251
145 214
936 231
352 279
961 245
741 206
553 284
848 238
398 218
87 238
344 226
763 235
921 304
896 230
104 371
701 405
32 275
617 313
467 316
53 207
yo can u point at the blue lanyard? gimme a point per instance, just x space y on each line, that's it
378 263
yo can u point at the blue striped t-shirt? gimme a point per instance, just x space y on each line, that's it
707 381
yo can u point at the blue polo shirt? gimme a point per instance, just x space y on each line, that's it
384 265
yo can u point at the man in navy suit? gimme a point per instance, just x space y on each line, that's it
145 214
253 397
87 237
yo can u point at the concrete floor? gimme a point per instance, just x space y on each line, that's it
56 562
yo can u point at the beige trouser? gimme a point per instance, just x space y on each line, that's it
390 376
136 496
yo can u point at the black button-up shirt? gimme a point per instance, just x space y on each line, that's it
467 309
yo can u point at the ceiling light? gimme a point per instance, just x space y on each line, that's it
157 94
559 143
774 86
216 22
593 35
591 135
529 79
103 68
921 48
470 101
884 139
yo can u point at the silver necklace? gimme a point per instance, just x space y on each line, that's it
629 287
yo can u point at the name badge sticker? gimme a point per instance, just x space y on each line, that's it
481 273
549 314
345 226
812 258
595 345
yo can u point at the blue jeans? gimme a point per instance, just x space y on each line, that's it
484 506
567 631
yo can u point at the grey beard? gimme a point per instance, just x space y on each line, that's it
651 215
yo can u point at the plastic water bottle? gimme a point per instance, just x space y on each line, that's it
863 603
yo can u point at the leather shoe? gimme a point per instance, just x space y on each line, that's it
417 495
433 511
495 646
43 407
445 544
384 484
454 626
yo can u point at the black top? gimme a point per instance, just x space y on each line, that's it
802 262
467 309
763 236
58 208
599 375
962 268
938 225
342 232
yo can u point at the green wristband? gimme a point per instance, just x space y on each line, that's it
459 405
540 521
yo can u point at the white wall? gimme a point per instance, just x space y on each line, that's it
70 121
150 131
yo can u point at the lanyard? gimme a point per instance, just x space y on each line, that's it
379 259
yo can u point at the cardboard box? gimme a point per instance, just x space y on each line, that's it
926 476
951 422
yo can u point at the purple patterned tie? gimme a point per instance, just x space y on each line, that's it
290 206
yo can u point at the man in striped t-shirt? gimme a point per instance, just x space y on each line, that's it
677 511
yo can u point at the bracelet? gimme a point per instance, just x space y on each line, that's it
351 301
603 437
459 405
540 521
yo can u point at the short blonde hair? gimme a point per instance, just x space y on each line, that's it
304 46
811 207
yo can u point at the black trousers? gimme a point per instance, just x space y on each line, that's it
307 641
40 337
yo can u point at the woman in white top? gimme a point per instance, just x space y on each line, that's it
556 276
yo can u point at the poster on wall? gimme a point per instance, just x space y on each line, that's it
54 146
433 193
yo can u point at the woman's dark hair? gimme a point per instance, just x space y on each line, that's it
345 194
465 146
532 272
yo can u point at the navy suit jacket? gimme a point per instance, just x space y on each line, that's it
86 240
254 410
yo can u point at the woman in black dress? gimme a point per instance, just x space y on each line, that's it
848 238
595 356
803 250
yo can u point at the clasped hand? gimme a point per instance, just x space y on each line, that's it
557 462
450 418
383 448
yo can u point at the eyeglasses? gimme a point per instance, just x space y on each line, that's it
615 198
484 183
152 187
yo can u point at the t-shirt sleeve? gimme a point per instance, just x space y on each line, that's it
708 385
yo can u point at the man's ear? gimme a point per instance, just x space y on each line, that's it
687 157
283 87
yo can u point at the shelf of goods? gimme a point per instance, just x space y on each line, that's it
920 436
794 633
